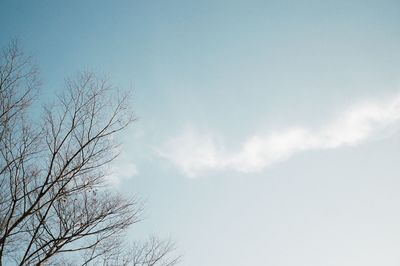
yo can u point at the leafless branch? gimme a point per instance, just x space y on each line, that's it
53 201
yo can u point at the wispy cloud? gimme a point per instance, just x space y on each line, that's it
125 166
193 151
122 168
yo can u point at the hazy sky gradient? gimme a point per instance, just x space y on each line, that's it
267 132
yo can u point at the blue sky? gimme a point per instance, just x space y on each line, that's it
267 132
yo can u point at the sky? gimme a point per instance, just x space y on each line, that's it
267 131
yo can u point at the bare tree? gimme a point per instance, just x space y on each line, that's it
54 206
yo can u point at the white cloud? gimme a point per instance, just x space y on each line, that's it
121 169
124 167
193 151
